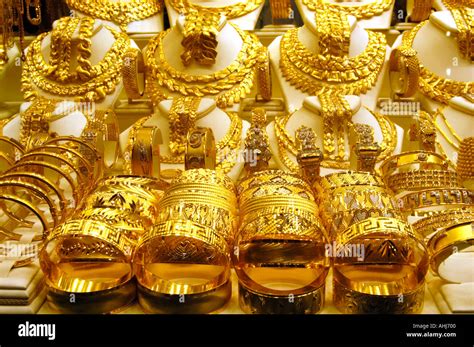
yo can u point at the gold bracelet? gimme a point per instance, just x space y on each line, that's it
463 15
145 158
446 243
40 181
333 32
379 225
347 179
351 301
35 120
132 66
201 149
465 166
424 179
443 219
264 78
420 160
404 68
419 10
435 199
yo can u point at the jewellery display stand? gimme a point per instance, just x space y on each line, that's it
245 22
380 22
208 115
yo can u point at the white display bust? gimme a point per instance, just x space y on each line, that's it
209 116
246 22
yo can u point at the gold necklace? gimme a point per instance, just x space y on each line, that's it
363 11
433 86
452 131
314 74
464 18
92 85
227 147
120 12
229 85
231 11
288 143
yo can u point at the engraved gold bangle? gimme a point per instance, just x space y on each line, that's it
348 178
420 160
435 199
111 139
448 242
378 225
424 179
200 150
133 65
443 219
145 158
355 302
405 67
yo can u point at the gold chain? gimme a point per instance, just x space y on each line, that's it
232 11
120 12
314 74
464 18
88 83
229 85
452 131
433 86
364 11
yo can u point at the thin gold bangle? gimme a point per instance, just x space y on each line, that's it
145 158
133 65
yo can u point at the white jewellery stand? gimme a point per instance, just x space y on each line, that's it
208 116
246 22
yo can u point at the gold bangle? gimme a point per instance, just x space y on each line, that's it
281 9
443 219
465 166
132 66
17 147
145 158
419 10
206 177
96 302
111 139
435 199
252 302
424 179
378 225
448 242
348 178
42 165
38 193
200 150
197 303
28 205
355 302
264 78
40 181
404 66
421 160
7 160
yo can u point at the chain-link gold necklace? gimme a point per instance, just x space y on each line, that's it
433 86
228 86
364 11
231 11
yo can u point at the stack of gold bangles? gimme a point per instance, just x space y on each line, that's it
182 263
279 249
88 258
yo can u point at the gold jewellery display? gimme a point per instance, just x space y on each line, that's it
87 82
186 254
89 255
229 85
279 248
463 15
119 12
